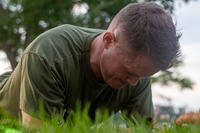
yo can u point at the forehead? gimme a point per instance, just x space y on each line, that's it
140 65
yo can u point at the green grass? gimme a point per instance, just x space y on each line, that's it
79 121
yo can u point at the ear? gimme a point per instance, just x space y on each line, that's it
108 39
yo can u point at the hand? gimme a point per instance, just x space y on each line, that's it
30 122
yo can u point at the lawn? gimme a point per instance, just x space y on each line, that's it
80 122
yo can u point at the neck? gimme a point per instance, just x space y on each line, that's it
95 54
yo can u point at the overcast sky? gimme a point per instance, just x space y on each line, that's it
188 22
188 19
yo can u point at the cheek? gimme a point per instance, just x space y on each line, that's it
108 66
111 65
104 65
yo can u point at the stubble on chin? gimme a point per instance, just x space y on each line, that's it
115 83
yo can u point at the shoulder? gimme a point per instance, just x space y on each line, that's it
64 37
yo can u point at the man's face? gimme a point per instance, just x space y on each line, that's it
120 66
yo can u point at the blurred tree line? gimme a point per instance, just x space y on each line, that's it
22 20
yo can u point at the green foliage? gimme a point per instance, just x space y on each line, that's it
8 123
79 121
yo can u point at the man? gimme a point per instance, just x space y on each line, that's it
108 68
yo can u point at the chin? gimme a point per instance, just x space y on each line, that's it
115 84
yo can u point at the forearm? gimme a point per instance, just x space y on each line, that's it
30 122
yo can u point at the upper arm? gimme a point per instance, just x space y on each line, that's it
39 86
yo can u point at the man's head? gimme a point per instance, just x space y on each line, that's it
140 41
148 28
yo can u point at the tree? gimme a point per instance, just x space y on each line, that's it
9 34
22 20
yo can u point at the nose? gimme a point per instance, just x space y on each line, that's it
132 81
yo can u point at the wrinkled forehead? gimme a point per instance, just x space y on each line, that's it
141 65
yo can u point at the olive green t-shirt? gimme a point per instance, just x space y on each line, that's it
55 69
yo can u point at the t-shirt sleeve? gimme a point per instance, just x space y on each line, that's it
40 87
140 100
